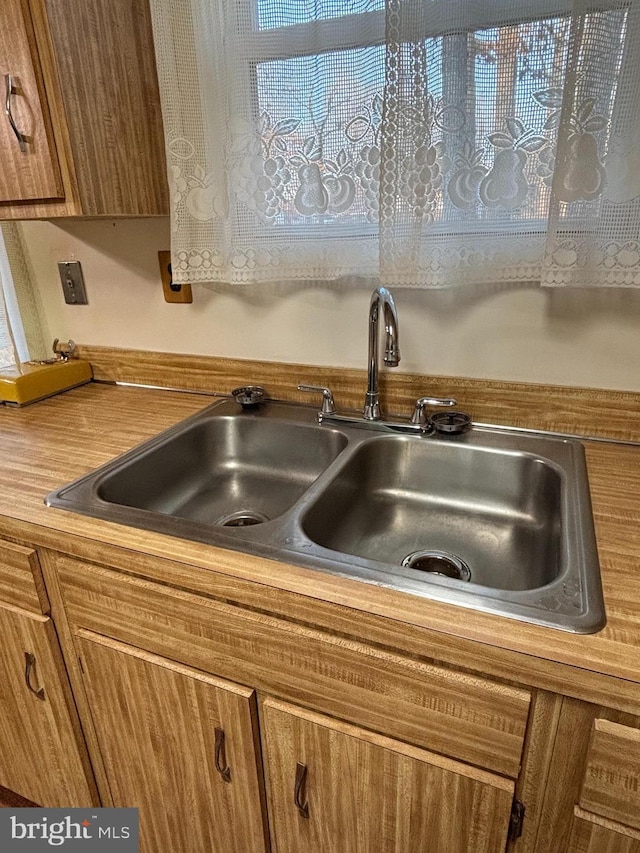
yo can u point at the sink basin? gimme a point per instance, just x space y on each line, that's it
494 520
224 470
214 470
498 511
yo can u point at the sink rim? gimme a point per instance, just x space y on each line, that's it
285 540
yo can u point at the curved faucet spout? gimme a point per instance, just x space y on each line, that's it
380 297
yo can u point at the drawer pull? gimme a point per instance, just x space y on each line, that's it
10 89
29 664
220 756
298 793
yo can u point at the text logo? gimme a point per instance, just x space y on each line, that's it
73 830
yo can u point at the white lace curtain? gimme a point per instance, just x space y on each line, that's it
414 142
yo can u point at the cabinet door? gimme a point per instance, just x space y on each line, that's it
592 795
41 748
179 745
29 169
589 834
335 788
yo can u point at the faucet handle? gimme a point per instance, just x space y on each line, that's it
328 403
419 416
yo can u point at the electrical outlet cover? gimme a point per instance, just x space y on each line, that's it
172 292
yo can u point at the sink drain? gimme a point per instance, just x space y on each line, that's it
242 518
438 563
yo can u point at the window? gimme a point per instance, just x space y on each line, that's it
424 142
22 335
8 311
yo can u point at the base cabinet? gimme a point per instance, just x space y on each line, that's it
335 788
592 801
388 754
233 729
183 747
180 746
43 756
40 748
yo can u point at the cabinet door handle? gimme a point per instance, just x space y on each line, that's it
221 757
29 663
299 790
10 89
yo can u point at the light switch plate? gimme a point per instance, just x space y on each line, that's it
72 283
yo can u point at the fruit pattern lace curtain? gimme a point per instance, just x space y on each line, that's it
414 142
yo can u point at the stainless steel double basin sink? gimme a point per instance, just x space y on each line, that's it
493 520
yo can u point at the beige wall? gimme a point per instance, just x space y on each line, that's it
528 334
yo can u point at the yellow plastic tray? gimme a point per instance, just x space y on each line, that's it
28 382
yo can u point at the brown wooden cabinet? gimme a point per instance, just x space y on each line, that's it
193 706
30 167
180 746
42 753
592 800
337 788
389 745
85 100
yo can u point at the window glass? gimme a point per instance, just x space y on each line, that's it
282 13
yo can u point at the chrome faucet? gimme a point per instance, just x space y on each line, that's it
380 297
371 417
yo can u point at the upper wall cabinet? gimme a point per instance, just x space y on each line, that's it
81 133
30 169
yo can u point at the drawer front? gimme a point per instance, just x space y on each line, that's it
446 711
611 785
21 582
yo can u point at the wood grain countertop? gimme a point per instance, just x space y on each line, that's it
52 442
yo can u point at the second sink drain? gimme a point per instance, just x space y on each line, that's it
438 563
242 518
